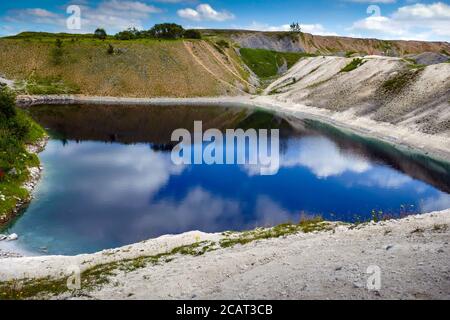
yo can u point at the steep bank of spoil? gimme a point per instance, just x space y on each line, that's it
305 42
383 89
140 68
411 254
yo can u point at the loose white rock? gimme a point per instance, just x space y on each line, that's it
12 236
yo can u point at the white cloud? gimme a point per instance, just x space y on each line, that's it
204 12
413 22
318 154
385 178
317 28
35 15
113 15
438 203
373 1
324 159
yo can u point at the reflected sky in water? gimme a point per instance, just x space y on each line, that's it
96 195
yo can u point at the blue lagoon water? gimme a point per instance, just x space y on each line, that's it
109 180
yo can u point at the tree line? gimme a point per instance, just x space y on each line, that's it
158 31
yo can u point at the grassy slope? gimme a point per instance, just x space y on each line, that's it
140 68
15 132
265 63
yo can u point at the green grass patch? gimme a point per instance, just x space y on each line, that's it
306 226
266 63
46 85
355 63
101 274
412 64
398 82
93 277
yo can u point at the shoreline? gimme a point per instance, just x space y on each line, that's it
258 269
30 185
409 139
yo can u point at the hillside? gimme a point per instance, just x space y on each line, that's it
384 89
141 68
225 62
305 42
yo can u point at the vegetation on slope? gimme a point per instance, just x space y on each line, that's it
17 130
266 63
355 63
42 64
99 275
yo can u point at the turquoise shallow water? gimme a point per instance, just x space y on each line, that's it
111 182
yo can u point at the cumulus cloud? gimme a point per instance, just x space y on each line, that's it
113 15
372 1
320 155
204 12
418 21
437 203
324 158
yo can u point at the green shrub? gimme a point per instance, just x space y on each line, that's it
16 130
353 65
223 44
192 34
110 49
100 34
56 54
7 101
167 31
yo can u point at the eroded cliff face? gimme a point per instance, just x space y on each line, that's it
305 42
385 89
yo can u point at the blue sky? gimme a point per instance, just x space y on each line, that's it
386 19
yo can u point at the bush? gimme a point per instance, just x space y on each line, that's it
192 34
167 31
100 34
16 130
7 102
353 65
57 52
110 49
129 34
223 44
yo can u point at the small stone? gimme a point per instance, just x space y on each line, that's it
338 269
12 236
389 247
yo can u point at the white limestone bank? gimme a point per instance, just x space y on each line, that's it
412 255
